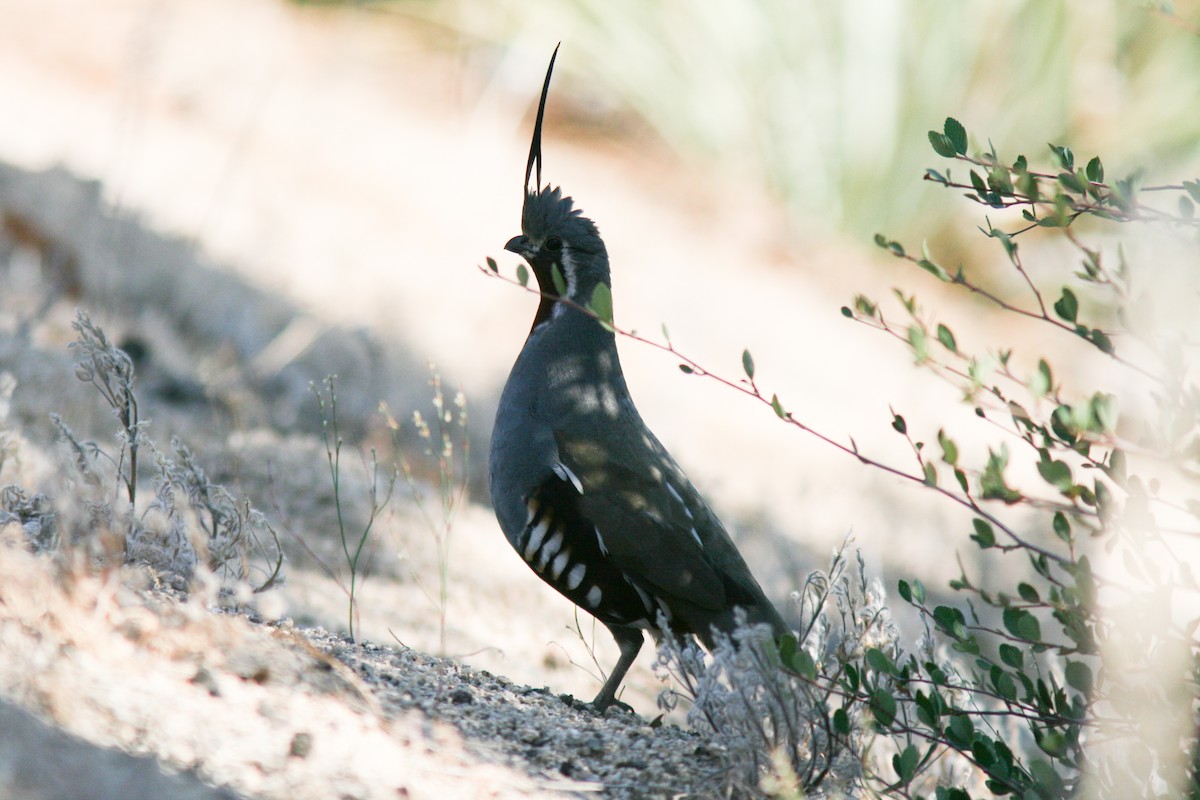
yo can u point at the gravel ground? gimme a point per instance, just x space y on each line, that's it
556 739
132 680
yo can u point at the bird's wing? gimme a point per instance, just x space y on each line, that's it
652 524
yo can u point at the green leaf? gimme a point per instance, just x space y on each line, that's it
601 305
1042 381
1066 159
880 661
1193 189
888 244
748 364
846 312
1012 656
960 731
1062 528
803 665
841 722
956 134
905 591
560 284
930 473
1095 170
777 407
1067 306
899 424
991 481
918 591
864 306
934 269
949 448
1021 624
1055 473
685 369
1072 182
883 706
1101 340
946 337
918 339
942 145
984 535
1028 593
905 763
522 275
492 265
1079 676
1103 412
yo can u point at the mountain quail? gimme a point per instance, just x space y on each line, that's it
583 490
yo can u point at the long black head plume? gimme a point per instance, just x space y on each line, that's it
534 167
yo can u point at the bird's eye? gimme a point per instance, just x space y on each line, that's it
553 244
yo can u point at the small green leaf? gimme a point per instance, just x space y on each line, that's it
777 407
803 665
1067 306
1042 381
1055 473
899 424
1062 528
1012 656
942 145
956 134
905 590
918 339
960 731
1028 593
918 591
1021 624
934 269
880 661
1079 676
846 312
984 535
930 473
1095 170
946 337
883 706
949 448
685 369
1066 159
522 275
492 265
601 304
748 364
905 763
1193 189
1101 340
560 285
841 722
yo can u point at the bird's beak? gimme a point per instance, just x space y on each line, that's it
520 246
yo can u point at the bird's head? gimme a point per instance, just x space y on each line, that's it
554 233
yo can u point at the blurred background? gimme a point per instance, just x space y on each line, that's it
284 190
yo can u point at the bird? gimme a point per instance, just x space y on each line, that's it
582 489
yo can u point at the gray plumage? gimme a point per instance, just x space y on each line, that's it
582 489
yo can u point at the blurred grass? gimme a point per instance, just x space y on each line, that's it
828 105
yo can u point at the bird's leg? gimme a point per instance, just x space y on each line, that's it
630 642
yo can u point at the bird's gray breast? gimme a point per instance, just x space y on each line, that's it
560 380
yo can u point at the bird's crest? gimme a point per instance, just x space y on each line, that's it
533 169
